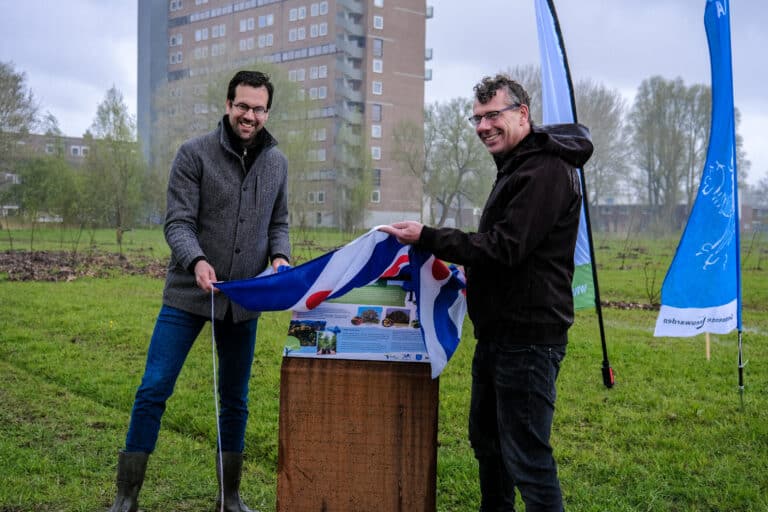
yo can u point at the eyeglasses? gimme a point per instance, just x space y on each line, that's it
243 108
492 115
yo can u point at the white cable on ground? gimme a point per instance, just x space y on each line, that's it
216 406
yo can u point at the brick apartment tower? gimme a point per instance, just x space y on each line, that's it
361 63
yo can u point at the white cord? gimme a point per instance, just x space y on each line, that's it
216 406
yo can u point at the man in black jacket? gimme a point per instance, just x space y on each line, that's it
519 269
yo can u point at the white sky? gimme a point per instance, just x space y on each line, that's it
73 51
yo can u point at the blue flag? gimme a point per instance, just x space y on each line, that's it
558 107
702 289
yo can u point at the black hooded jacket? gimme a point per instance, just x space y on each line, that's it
520 262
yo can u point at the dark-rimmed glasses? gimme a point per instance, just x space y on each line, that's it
244 108
492 115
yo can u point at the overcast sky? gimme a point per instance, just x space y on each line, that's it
73 51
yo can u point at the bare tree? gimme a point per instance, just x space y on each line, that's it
18 112
603 110
114 165
657 120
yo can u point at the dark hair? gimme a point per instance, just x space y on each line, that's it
486 89
251 79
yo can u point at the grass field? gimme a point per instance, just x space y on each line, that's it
672 435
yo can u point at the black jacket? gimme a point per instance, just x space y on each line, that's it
520 262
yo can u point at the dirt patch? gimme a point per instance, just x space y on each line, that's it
66 266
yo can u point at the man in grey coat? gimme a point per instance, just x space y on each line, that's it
227 218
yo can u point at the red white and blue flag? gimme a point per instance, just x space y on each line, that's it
439 289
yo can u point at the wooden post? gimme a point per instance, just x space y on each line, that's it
706 344
357 436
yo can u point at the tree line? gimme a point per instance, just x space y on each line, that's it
651 152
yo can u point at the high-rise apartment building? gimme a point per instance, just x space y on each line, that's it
359 63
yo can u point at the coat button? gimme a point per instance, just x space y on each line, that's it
237 251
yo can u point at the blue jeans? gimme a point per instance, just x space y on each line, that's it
175 332
510 420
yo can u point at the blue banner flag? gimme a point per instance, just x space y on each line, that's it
558 107
702 288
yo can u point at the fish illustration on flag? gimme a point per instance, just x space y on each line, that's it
439 288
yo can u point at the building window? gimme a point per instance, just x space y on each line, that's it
376 113
375 196
323 8
302 12
49 149
176 5
218 30
376 152
323 29
378 66
319 134
292 35
376 131
378 47
376 177
201 34
314 30
301 33
377 87
378 3
311 197
314 10
320 196
323 71
75 150
319 218
293 14
84 150
378 22
176 40
266 20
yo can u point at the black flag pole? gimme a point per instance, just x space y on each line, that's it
608 377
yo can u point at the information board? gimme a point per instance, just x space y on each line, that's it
376 322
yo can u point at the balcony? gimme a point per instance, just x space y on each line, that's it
349 48
348 115
348 70
351 5
347 92
349 25
428 53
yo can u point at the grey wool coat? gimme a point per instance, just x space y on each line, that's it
236 218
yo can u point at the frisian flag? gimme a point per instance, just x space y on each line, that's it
702 289
559 106
439 289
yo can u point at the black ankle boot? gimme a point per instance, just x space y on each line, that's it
232 463
130 475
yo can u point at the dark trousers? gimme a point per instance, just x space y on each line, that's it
510 420
175 332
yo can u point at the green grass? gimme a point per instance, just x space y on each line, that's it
670 436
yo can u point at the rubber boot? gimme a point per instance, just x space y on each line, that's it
232 462
130 475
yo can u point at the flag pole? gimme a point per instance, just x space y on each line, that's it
608 376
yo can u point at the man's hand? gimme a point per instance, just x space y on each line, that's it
279 262
406 232
205 276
